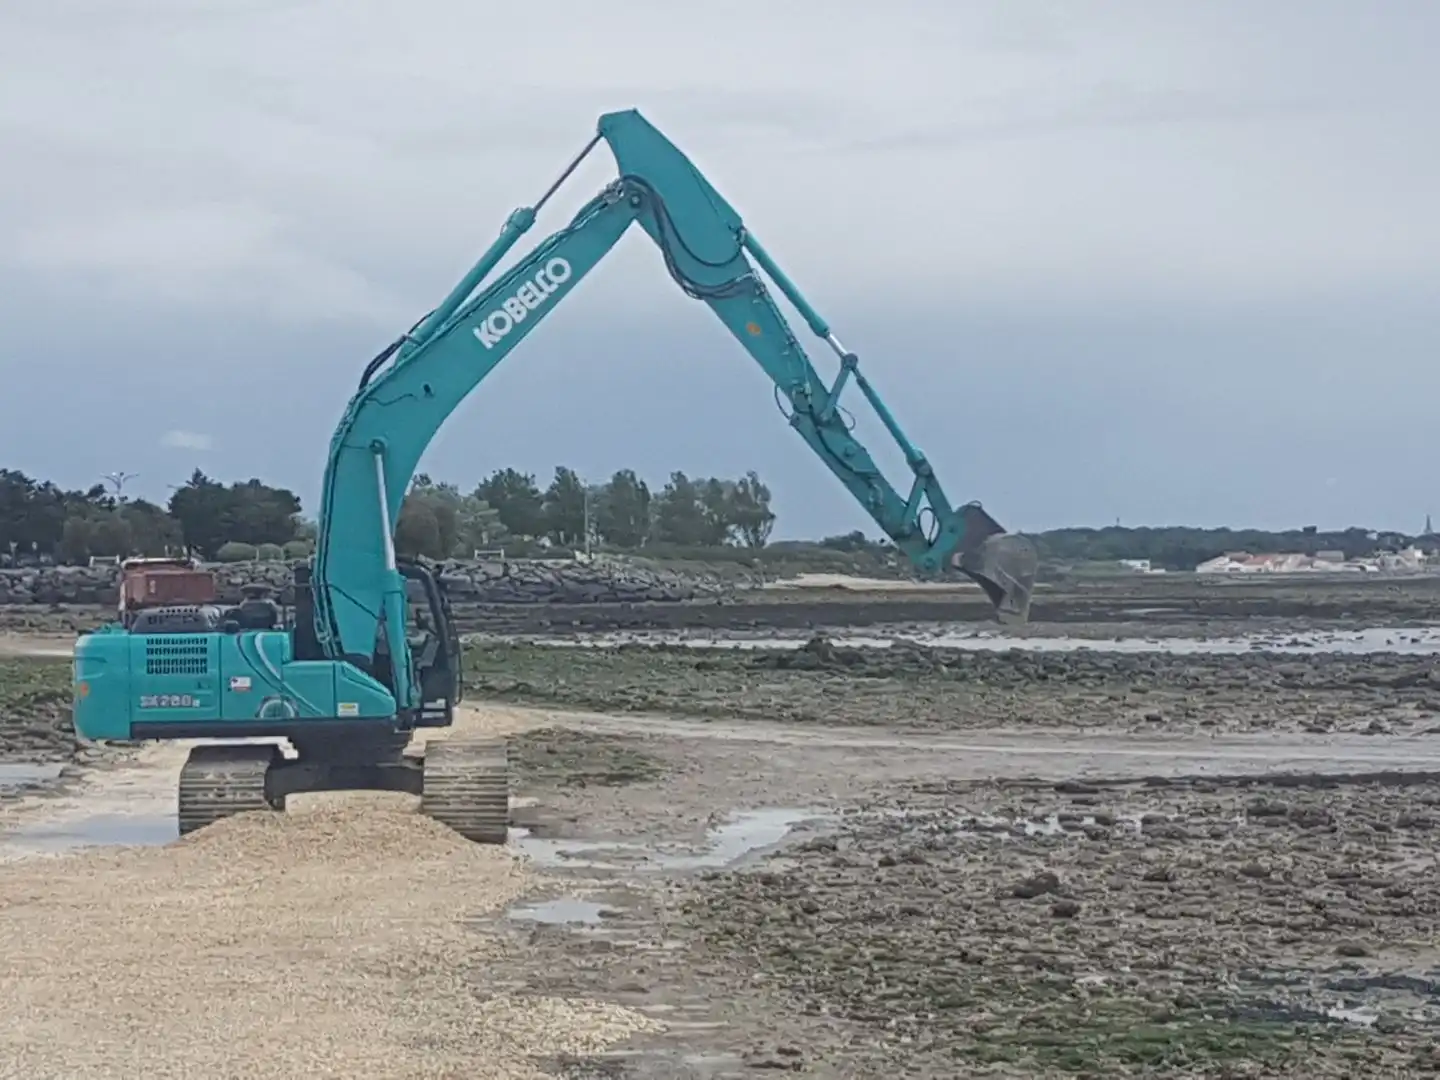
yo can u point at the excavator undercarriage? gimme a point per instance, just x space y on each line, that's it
462 783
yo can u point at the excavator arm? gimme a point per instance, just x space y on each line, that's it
409 390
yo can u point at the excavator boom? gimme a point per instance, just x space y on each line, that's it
713 257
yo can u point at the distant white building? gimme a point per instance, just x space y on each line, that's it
1242 562
1326 562
1412 558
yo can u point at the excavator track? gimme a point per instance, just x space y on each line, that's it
221 781
467 787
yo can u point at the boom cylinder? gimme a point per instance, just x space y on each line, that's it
785 285
393 596
516 226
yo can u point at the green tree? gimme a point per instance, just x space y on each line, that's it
480 525
679 514
100 532
750 513
417 532
855 541
465 522
260 514
716 503
442 503
75 540
202 508
40 518
152 530
564 506
248 512
622 510
517 500
33 513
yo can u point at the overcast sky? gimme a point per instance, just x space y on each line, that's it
1142 260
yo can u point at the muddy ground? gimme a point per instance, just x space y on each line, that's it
927 862
909 687
1142 605
931 923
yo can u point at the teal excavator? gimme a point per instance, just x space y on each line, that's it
351 675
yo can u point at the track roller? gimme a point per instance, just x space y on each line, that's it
220 781
467 787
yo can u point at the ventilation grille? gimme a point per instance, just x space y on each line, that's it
177 656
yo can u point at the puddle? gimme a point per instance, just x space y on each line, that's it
18 776
98 831
1362 1017
747 833
558 854
559 912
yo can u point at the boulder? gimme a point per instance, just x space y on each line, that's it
513 581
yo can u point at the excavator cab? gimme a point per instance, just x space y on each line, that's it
434 646
430 632
1003 564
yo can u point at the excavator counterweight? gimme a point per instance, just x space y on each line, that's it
349 680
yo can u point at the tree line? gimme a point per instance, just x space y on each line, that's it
40 521
509 509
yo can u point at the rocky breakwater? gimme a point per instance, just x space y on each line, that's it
537 582
510 582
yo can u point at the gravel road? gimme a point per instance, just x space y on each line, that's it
336 940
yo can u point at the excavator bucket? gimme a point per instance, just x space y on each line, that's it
1003 564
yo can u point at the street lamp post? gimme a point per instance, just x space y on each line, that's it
118 480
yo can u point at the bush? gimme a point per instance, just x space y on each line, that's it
270 553
233 552
298 549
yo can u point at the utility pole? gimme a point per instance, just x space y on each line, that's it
586 489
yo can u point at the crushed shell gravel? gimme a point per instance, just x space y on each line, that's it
331 942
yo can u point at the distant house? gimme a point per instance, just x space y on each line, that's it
1242 562
1232 563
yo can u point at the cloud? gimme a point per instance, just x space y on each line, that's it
206 255
1098 237
187 440
908 150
